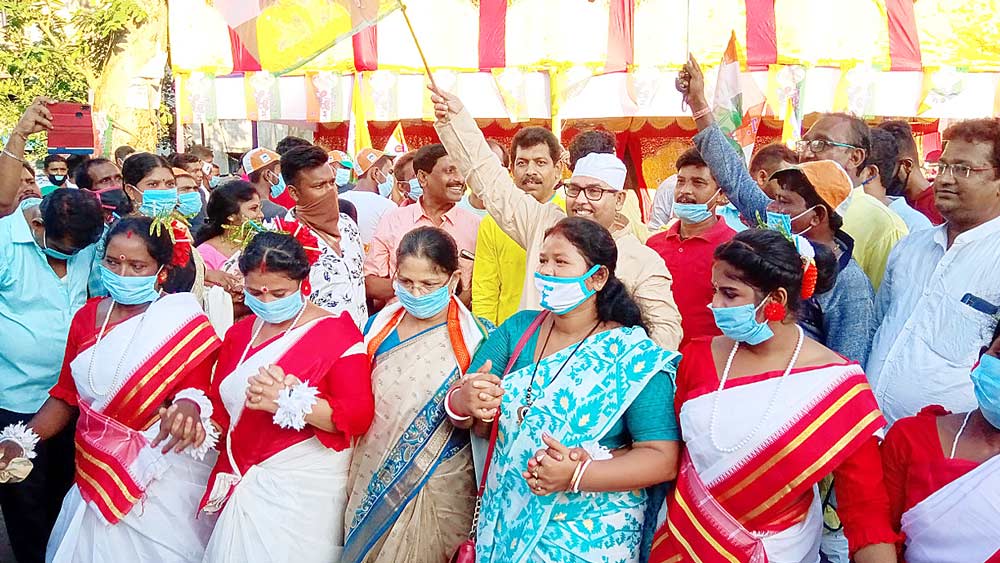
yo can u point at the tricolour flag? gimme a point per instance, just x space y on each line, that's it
396 145
740 126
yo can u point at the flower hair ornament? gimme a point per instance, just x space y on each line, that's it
306 238
180 236
810 274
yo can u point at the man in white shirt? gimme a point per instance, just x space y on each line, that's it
372 168
939 300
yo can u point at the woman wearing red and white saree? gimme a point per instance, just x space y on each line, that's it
291 391
126 357
942 472
765 413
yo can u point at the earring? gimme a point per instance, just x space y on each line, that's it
775 311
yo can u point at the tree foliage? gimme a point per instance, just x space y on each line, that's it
57 49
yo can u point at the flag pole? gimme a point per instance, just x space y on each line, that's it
687 44
420 50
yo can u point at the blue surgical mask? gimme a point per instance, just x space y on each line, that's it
277 311
740 323
54 254
385 186
189 204
562 295
129 290
158 202
986 384
783 221
423 306
342 176
694 212
214 182
278 188
416 190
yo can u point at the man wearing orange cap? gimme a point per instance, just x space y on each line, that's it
263 168
370 195
843 317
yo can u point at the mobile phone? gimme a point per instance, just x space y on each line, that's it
980 304
466 255
72 129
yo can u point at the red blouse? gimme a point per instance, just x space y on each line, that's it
915 462
83 332
345 384
863 504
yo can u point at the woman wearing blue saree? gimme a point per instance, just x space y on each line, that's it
585 413
411 484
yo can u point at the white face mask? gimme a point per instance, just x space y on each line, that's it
562 295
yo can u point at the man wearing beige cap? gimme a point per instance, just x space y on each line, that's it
374 176
263 167
595 192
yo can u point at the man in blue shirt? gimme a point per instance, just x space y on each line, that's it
46 254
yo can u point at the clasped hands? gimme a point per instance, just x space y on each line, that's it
552 469
263 388
479 394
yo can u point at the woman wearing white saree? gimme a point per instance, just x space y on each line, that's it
412 487
291 392
942 472
126 357
766 413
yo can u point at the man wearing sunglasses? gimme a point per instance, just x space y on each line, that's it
46 254
940 295
596 192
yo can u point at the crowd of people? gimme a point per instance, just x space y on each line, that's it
473 352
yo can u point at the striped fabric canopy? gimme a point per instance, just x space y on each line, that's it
605 35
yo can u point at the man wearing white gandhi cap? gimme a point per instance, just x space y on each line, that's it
596 192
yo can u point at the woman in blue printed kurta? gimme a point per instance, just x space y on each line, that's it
587 404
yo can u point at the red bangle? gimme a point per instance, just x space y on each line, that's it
451 411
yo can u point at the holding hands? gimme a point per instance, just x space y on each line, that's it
181 423
478 395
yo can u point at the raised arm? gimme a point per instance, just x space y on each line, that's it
517 213
35 119
725 162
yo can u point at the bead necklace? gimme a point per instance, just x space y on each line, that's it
954 445
100 336
770 406
522 411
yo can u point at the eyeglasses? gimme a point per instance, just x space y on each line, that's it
957 170
592 193
817 146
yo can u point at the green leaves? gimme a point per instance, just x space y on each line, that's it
46 50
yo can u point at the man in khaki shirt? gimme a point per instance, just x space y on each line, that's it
525 219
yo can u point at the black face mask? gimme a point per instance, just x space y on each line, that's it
897 186
57 180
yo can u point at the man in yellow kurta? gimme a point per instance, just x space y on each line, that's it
498 277
525 219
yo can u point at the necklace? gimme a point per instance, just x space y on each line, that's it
770 405
954 445
100 336
256 333
522 411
